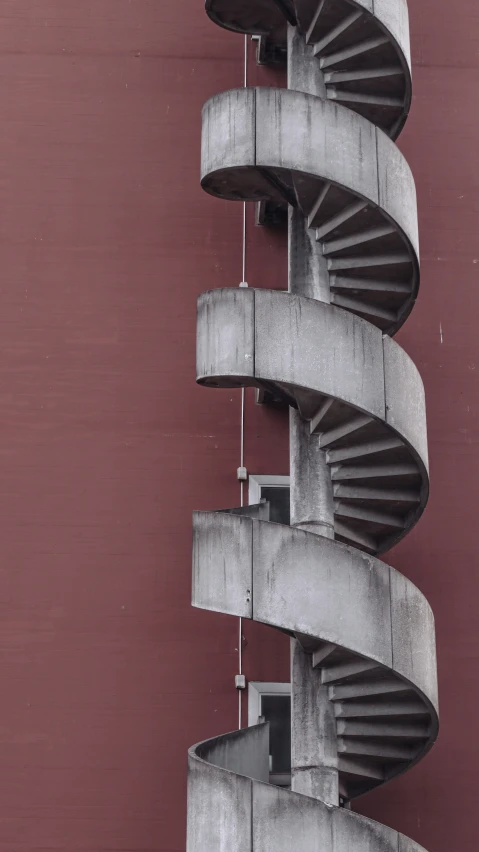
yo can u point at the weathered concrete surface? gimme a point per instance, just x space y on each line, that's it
284 821
353 833
413 635
250 816
269 128
244 752
405 398
308 273
314 752
225 333
263 17
228 135
304 70
310 585
225 546
321 588
311 490
268 17
394 172
311 345
219 809
304 133
394 16
314 348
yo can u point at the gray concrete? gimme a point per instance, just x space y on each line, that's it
394 16
314 751
413 636
304 70
225 333
222 564
364 649
244 752
228 134
311 490
394 172
307 266
219 809
314 348
320 588
285 821
354 833
311 352
230 812
405 398
310 585
303 134
243 15
320 348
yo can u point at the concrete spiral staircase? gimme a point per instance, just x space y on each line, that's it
362 47
364 684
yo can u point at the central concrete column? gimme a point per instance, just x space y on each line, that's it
313 727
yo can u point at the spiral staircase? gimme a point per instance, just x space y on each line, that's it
363 671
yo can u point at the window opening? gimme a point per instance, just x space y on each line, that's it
275 490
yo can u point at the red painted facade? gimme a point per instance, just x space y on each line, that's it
106 445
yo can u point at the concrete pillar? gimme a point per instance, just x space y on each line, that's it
313 728
311 487
304 73
314 769
308 271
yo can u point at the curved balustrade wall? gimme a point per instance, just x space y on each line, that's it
363 666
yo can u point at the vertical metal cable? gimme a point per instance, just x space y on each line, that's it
243 281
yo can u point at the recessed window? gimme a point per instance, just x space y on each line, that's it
275 490
271 702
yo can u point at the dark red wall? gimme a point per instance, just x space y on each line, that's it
106 445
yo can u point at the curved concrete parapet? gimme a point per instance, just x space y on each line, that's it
363 663
361 46
305 584
351 183
310 352
257 817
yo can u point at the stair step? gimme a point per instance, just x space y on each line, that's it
348 428
380 710
372 516
356 75
376 750
379 730
318 204
368 261
320 414
349 53
336 93
360 238
379 471
344 671
311 33
364 689
322 654
337 31
370 284
383 495
339 219
362 768
356 537
371 309
368 448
